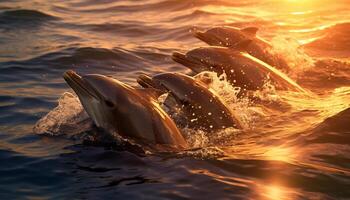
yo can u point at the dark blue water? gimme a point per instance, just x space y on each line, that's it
299 151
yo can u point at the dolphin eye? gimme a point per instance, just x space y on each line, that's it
109 103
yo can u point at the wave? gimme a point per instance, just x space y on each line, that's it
19 108
23 18
337 123
326 74
193 15
129 28
26 14
76 56
115 61
154 33
335 38
172 5
28 170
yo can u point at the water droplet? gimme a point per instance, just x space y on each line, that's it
193 120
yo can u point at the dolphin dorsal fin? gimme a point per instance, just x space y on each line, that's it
242 45
151 92
250 30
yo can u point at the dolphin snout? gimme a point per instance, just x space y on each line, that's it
71 75
208 37
78 84
149 82
191 62
145 81
184 60
200 35
73 80
179 57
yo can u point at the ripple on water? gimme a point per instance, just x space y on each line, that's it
32 177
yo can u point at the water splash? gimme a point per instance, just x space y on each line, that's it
68 118
288 48
196 138
268 92
241 107
204 153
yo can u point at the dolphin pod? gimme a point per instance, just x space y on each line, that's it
135 113
241 68
132 113
202 107
243 40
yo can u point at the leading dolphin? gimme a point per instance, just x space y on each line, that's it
132 113
203 108
241 68
244 39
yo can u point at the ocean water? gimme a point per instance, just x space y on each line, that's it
297 146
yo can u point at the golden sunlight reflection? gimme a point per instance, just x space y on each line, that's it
298 1
303 3
313 29
281 75
302 20
275 192
302 12
280 154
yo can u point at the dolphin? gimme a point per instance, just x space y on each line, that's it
203 108
132 113
241 68
243 40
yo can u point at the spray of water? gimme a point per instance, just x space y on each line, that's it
68 118
289 49
242 108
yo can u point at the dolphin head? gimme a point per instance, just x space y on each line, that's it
175 83
194 62
115 106
226 36
205 58
202 106
99 96
220 36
